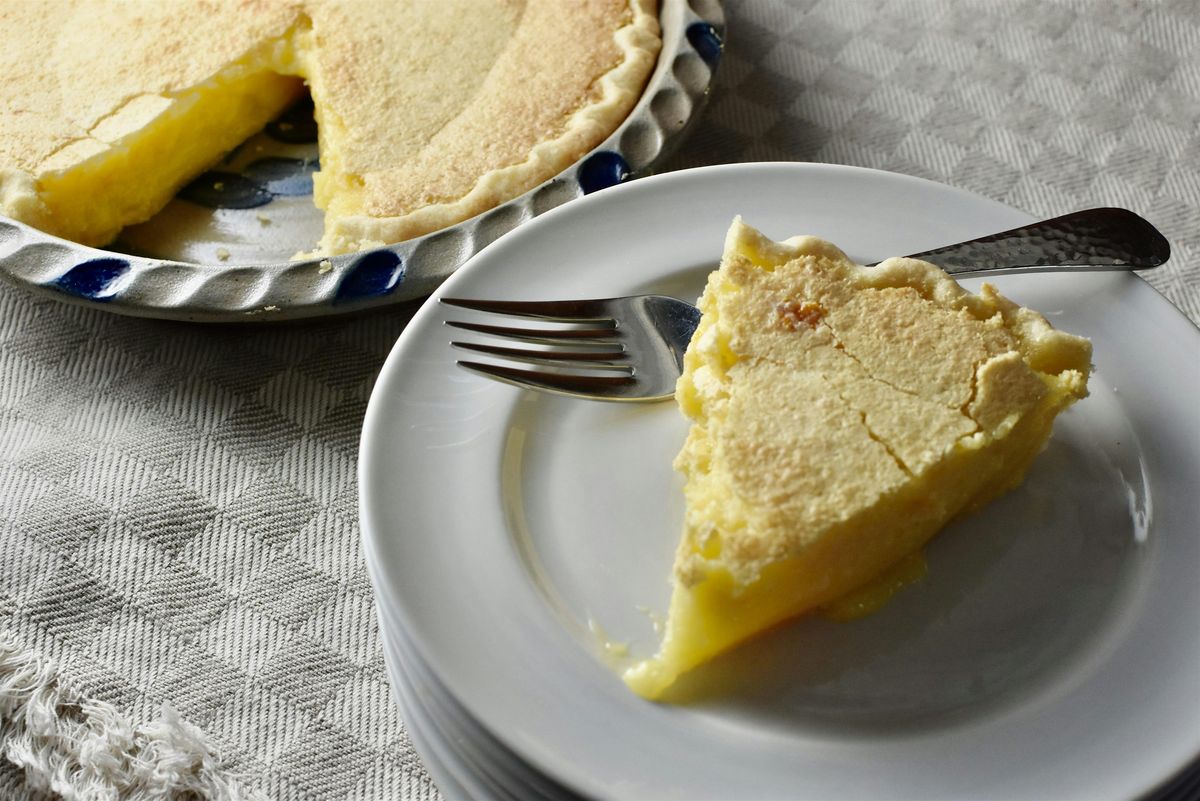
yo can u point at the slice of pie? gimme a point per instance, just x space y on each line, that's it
429 111
841 415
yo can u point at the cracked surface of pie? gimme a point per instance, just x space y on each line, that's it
428 111
841 415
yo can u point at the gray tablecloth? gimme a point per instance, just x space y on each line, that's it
180 552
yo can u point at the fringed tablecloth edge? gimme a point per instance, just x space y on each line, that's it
83 748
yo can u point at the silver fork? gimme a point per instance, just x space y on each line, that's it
631 348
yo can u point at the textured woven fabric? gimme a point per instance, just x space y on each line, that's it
178 503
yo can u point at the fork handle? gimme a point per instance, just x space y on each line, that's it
1105 239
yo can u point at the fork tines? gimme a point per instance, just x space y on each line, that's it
571 311
575 384
575 346
543 336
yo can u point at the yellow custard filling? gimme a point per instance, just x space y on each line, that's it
840 417
173 138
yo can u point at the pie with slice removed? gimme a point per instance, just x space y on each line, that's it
840 416
428 111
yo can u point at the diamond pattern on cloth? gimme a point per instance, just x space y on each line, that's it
184 532
177 502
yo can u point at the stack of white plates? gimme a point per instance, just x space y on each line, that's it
1051 651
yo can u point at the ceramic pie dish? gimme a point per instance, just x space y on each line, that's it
222 250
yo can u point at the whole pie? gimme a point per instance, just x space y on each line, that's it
428 111
841 415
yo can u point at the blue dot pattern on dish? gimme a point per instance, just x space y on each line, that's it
282 177
704 37
372 275
602 170
295 126
226 190
92 279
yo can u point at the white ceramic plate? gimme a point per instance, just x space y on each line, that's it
1050 652
457 751
454 775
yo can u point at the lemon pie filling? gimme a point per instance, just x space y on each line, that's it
840 417
85 193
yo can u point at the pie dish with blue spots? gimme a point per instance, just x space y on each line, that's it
224 249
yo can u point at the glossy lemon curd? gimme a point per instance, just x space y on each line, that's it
171 137
840 417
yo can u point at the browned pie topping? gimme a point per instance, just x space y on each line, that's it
795 313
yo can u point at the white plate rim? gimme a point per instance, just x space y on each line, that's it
441 723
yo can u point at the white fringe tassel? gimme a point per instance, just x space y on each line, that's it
85 750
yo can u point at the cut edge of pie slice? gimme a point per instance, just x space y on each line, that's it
88 173
841 416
